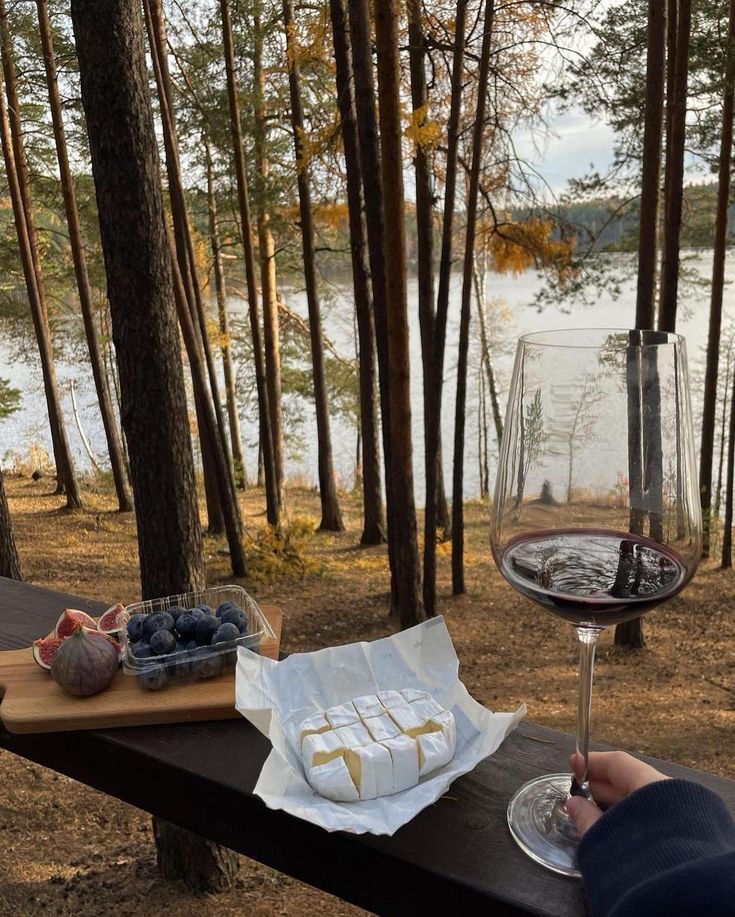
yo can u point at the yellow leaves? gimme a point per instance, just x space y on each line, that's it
516 247
424 132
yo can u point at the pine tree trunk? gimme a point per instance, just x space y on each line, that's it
238 460
727 532
208 396
372 185
718 286
373 531
403 525
675 171
723 437
140 283
114 445
655 73
17 177
9 560
266 466
458 583
267 251
331 515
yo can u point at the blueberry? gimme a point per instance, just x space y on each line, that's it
190 645
162 642
141 650
176 612
160 620
236 617
186 626
205 629
208 667
135 627
207 609
226 633
154 678
179 671
225 606
198 613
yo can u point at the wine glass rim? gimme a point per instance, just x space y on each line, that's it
564 338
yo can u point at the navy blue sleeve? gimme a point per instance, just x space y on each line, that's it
667 850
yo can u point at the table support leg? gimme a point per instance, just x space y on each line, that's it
201 863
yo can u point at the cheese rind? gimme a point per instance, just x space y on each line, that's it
433 752
426 707
321 747
371 769
390 699
342 715
368 705
405 756
445 721
412 694
382 727
408 720
354 736
314 724
333 781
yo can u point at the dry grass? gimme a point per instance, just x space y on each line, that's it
70 850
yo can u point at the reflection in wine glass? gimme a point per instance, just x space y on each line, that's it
596 513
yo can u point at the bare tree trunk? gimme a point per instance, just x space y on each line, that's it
403 525
17 176
372 178
718 286
487 360
331 514
374 519
727 533
268 268
458 584
675 172
241 478
655 74
138 265
208 397
266 463
723 436
9 560
114 446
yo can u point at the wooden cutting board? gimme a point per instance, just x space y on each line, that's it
33 702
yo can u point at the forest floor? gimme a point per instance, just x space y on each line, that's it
69 850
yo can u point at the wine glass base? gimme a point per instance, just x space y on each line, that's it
540 826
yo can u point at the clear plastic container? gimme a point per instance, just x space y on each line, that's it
196 664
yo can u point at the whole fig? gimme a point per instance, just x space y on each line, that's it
85 663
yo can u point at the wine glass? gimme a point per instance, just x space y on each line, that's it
596 513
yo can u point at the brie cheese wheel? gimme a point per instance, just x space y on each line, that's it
376 745
333 781
382 727
342 715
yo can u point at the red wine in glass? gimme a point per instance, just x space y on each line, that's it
593 577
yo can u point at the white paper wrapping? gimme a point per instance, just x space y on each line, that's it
276 697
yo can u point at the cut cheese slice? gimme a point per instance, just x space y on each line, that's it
382 727
321 747
314 724
371 769
445 721
426 707
368 706
409 721
390 699
433 752
354 736
405 756
342 715
333 781
412 694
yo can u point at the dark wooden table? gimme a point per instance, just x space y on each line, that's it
456 857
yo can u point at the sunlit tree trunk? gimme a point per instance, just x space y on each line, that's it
114 445
266 467
139 279
374 520
403 526
220 288
372 183
718 286
458 584
331 515
267 252
675 170
215 441
9 560
655 77
17 177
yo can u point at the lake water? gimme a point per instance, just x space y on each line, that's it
512 314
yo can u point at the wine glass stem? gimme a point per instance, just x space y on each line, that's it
587 640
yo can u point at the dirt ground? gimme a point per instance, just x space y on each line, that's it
71 851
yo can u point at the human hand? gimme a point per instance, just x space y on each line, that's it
613 775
